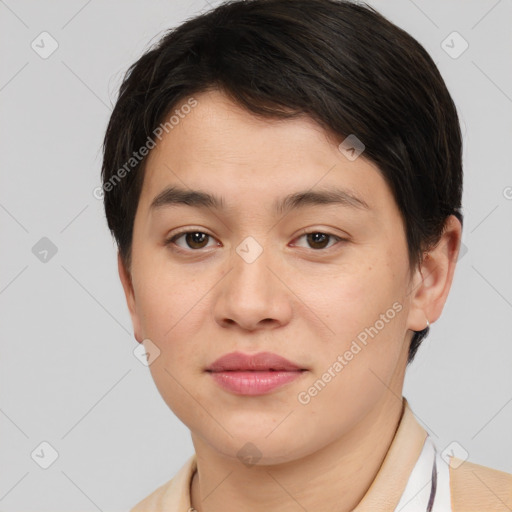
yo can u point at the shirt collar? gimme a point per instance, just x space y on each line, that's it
382 496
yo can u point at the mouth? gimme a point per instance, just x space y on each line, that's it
254 382
253 374
262 361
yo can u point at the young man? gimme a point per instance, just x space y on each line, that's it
284 179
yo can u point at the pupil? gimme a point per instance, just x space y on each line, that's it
196 238
318 238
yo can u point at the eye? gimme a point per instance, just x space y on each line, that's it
193 239
319 240
196 240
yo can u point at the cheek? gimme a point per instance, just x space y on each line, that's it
167 302
345 400
352 298
365 311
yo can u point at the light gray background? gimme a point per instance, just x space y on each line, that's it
68 374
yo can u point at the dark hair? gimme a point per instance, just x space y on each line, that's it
341 63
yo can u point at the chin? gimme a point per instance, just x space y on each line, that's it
255 446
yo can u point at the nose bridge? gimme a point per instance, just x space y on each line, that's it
251 277
251 293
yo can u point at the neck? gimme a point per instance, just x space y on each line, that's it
333 478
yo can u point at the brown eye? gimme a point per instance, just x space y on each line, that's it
196 239
193 240
317 240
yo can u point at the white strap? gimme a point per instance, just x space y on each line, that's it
443 497
428 487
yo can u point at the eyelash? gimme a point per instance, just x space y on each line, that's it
175 236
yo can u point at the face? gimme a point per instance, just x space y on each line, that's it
322 281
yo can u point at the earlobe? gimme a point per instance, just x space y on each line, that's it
129 293
433 279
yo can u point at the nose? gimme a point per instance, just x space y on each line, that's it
252 295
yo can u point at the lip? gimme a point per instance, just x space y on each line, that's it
253 374
262 361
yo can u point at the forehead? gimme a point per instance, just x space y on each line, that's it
219 146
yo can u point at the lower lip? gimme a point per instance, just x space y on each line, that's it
254 382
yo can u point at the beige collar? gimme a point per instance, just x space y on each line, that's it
389 484
382 496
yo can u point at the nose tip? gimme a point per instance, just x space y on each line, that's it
247 324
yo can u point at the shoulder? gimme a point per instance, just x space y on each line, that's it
172 496
475 488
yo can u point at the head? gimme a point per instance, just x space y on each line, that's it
313 154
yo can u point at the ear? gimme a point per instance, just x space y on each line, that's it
432 281
126 281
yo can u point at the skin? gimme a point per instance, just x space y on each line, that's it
303 302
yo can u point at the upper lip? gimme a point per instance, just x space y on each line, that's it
256 362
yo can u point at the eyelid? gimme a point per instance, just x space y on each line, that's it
325 231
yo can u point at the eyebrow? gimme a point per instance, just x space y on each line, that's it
174 195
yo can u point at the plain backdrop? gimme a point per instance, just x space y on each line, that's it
68 374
